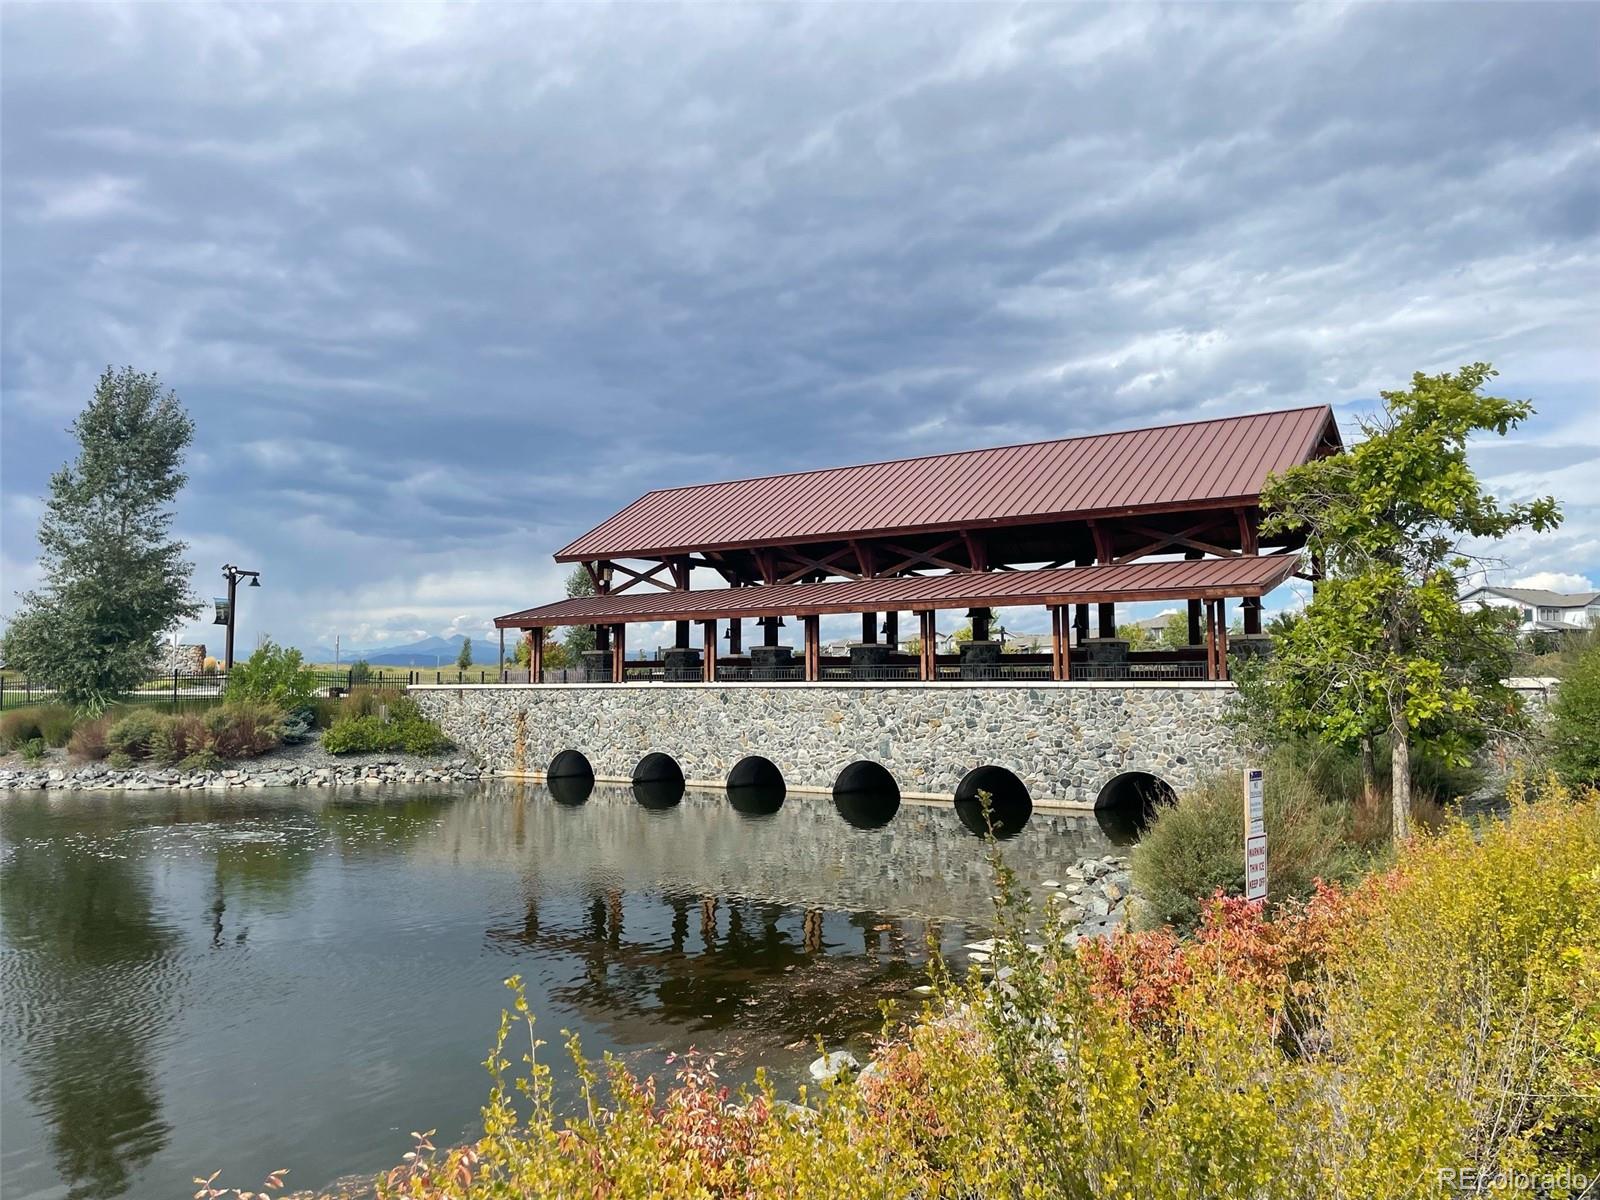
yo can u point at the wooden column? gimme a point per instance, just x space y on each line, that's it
813 626
736 636
709 666
1107 621
681 638
1194 605
769 631
602 637
1211 641
502 648
619 653
869 627
928 633
1222 639
891 629
1059 642
536 655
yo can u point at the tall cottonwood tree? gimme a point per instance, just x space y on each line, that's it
114 577
1385 646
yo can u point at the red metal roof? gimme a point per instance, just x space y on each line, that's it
1204 578
1220 461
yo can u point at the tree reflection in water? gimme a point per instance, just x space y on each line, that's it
82 924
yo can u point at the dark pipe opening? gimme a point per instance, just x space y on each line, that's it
655 767
569 789
1009 805
755 787
1127 803
866 795
569 764
755 771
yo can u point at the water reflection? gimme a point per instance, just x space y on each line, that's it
658 793
570 789
89 980
1004 816
197 982
756 800
867 810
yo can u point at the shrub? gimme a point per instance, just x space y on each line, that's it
203 759
1574 731
360 671
1195 848
50 723
120 759
243 729
33 749
357 735
131 733
275 675
365 732
90 740
178 737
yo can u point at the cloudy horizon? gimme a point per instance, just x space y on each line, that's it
445 287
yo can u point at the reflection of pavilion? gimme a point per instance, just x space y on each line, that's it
706 961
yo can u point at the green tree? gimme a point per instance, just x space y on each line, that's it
1575 720
114 578
276 675
1385 646
464 659
1137 636
579 638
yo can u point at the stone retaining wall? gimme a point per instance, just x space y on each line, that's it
1065 740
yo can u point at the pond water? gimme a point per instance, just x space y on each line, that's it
247 981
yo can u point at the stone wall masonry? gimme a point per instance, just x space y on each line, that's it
1065 740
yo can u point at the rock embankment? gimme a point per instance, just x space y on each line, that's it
263 773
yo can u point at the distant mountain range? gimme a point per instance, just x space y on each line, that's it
429 652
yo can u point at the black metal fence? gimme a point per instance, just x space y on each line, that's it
181 689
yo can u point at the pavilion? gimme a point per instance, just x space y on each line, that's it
1168 513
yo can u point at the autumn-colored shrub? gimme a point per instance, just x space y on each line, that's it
243 729
90 741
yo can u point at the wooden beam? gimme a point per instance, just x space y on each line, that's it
929 557
1188 542
637 577
1247 533
1162 541
977 555
826 565
709 665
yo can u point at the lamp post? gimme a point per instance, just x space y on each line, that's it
233 574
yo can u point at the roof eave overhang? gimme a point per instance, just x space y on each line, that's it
978 595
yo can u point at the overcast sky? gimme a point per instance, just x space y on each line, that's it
444 288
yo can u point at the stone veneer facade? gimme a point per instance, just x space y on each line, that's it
1065 740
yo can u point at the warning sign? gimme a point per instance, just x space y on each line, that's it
1255 867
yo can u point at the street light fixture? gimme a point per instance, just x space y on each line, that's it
233 574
